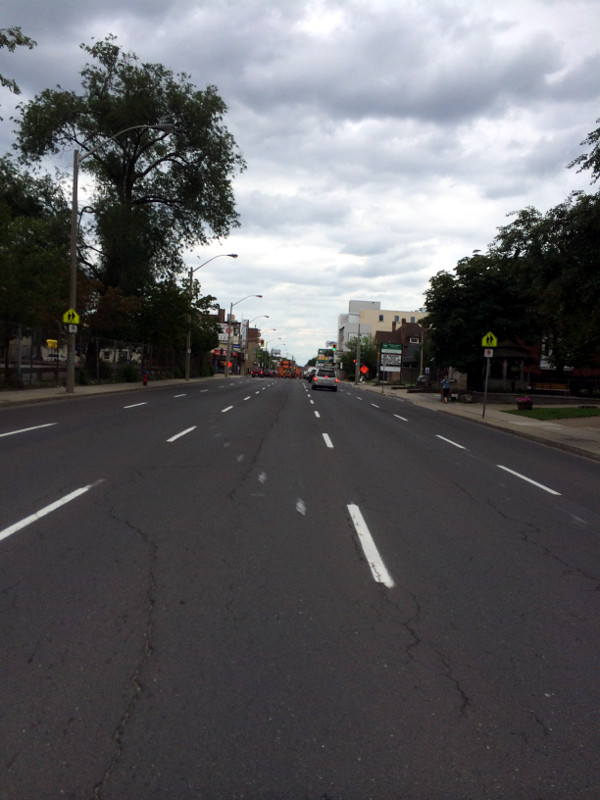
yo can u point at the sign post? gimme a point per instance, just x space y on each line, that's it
390 359
489 341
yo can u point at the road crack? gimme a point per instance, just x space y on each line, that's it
147 648
465 701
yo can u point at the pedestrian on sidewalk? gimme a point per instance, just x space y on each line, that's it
445 389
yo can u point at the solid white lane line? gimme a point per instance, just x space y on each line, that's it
328 441
225 410
135 405
25 430
46 510
183 433
378 568
529 480
399 417
443 438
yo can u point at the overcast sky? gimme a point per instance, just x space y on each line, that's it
385 139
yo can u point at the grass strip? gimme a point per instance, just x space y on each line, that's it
549 413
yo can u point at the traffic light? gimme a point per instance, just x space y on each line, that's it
334 347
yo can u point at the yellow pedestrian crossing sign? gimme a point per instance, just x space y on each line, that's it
489 340
71 317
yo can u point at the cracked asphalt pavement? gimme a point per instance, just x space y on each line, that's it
189 610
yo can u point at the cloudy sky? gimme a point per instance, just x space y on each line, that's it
385 139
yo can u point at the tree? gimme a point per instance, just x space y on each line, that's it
156 192
34 241
164 317
590 160
559 252
486 292
368 355
11 38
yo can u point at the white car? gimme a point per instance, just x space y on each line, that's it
324 378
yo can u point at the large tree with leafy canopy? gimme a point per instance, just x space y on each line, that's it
156 192
486 292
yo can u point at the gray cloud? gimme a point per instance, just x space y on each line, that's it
384 139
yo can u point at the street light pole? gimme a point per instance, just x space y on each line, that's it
357 368
188 348
229 330
77 160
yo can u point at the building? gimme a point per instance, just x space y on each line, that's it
367 318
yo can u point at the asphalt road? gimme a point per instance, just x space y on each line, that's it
245 589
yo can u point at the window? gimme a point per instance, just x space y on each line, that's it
397 318
414 340
381 318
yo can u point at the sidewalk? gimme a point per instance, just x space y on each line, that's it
17 397
579 436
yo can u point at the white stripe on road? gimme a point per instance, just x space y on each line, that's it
247 398
399 417
328 441
179 395
443 438
183 433
374 405
529 480
135 405
317 415
25 430
46 510
378 568
225 410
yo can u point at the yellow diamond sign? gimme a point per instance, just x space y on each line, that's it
71 317
489 340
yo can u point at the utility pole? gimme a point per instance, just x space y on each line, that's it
357 370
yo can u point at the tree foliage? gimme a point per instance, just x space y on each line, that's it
368 355
486 292
156 191
34 242
591 160
11 38
538 281
168 311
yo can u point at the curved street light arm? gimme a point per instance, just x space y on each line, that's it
188 349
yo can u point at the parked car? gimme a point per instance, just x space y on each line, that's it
324 378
